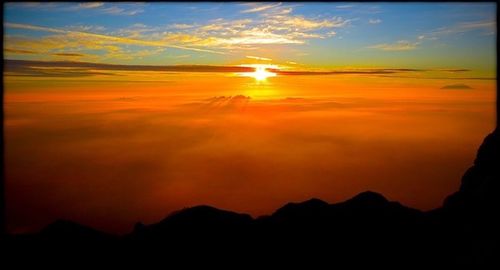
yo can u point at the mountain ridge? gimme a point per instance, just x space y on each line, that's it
365 229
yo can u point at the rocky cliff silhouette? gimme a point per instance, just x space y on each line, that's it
364 230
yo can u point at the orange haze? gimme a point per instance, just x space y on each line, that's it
111 153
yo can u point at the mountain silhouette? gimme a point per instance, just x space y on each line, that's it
191 225
480 183
365 230
68 231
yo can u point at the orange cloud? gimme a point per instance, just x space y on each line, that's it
231 152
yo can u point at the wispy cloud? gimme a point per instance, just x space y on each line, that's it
477 25
486 26
274 28
275 24
256 36
68 54
454 70
37 5
259 8
374 21
368 71
57 68
103 37
86 28
128 9
114 10
401 45
457 86
181 26
182 56
259 58
339 72
34 27
300 23
331 34
345 6
16 51
91 5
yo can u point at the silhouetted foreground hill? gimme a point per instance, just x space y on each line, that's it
365 230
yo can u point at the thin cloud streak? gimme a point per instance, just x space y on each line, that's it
260 8
459 86
402 45
485 25
16 51
31 68
91 5
259 58
35 68
105 37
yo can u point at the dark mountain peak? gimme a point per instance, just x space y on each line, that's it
192 224
308 207
194 209
139 227
202 217
488 155
313 202
367 198
204 211
480 184
69 230
64 226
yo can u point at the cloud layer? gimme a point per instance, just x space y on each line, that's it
109 155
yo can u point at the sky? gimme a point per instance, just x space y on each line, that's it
415 35
123 112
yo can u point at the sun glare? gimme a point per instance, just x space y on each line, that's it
261 73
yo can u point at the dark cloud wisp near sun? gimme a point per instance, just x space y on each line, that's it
70 68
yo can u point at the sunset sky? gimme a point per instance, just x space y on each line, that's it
123 112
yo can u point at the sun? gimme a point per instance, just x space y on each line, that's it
261 73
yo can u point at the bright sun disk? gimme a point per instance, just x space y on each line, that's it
260 73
